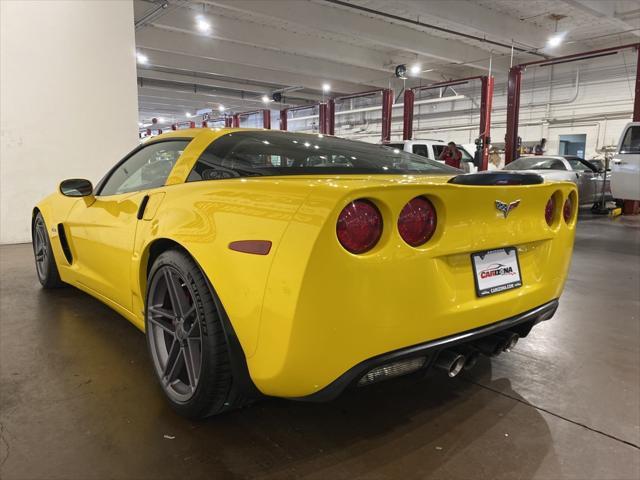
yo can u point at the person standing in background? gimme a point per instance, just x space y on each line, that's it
540 148
495 161
451 155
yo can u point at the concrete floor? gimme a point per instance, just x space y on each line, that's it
79 401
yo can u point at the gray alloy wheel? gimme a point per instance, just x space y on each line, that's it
46 267
40 248
175 335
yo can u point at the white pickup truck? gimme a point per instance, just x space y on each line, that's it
625 166
432 149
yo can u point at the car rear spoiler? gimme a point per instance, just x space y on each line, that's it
498 178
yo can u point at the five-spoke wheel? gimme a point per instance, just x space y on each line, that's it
175 333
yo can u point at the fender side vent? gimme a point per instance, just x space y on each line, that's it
64 243
498 178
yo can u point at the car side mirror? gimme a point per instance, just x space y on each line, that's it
76 187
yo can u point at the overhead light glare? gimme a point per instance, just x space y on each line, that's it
555 40
142 58
266 99
202 24
415 69
326 87
221 108
188 115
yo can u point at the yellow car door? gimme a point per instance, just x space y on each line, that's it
101 230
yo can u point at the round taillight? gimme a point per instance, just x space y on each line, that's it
567 210
417 221
359 226
548 211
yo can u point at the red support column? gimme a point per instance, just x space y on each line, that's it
331 117
387 104
323 118
228 121
407 115
513 112
283 119
485 119
174 126
636 103
266 119
236 121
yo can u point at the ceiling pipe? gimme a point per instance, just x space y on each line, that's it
434 27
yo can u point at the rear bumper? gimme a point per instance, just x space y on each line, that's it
520 323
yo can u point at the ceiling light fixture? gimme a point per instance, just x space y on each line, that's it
555 40
221 108
266 99
188 115
416 69
202 24
142 58
326 87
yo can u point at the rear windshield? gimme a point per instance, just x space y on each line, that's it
536 163
264 153
631 141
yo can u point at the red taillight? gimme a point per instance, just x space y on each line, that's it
417 221
567 210
359 226
548 211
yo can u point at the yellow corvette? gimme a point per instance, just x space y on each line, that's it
294 265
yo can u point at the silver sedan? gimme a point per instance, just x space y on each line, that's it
567 168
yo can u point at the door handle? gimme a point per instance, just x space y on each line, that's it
143 205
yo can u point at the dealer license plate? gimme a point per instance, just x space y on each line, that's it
496 271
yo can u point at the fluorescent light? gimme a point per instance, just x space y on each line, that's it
188 115
555 40
326 87
161 119
202 24
140 124
415 69
142 58
221 108
266 99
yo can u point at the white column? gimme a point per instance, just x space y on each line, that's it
68 99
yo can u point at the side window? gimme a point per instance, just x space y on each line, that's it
631 141
557 165
147 168
421 150
437 150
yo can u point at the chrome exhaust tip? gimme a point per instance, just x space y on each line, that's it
451 362
491 346
510 341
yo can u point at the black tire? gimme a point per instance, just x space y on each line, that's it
46 267
169 327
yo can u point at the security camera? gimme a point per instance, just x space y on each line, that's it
401 71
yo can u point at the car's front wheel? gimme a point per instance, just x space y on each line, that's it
185 338
46 267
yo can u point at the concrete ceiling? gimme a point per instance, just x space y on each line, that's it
256 47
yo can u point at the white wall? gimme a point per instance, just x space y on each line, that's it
68 100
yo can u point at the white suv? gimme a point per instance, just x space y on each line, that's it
432 149
625 167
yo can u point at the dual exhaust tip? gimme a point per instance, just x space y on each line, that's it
454 361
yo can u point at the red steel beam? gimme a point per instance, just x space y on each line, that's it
331 117
266 119
407 115
236 121
578 56
283 119
485 119
387 106
323 118
513 113
636 103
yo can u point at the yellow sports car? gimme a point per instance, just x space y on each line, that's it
293 265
